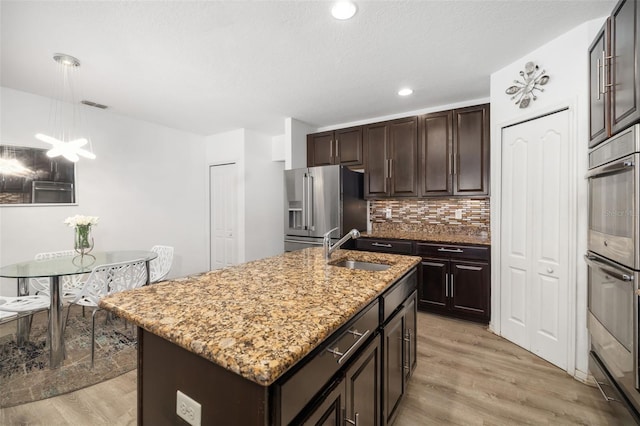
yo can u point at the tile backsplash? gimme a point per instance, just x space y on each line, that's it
417 213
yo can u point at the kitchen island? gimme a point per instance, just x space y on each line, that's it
263 342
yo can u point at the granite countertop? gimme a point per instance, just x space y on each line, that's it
433 237
259 318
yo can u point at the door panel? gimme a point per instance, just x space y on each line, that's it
375 177
223 181
434 151
349 150
535 247
393 367
295 202
363 386
625 91
469 288
329 412
433 286
598 100
320 149
471 151
324 199
403 135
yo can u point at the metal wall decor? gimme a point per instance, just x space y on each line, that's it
532 79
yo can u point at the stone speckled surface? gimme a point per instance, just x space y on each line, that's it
259 318
431 237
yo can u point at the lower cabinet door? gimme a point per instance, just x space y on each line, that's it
393 366
434 284
410 335
330 410
363 387
470 288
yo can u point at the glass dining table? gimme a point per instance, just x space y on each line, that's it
54 269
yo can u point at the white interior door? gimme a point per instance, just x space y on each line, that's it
223 209
535 236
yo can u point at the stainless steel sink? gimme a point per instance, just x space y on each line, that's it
365 266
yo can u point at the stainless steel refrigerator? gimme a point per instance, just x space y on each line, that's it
318 199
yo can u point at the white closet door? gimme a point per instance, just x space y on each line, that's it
535 232
223 183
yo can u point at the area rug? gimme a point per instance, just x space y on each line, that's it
25 375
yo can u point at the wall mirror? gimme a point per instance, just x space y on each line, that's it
29 177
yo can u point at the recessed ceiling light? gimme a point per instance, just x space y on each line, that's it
405 92
343 10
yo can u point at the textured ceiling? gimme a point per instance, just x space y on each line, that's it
212 66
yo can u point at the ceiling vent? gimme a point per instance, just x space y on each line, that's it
93 104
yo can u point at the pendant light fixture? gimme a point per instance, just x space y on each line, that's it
66 115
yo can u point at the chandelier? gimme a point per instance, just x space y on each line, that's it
66 115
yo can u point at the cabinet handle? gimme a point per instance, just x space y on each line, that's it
381 245
452 286
343 355
598 79
407 339
331 148
604 72
451 250
390 167
353 422
446 285
337 149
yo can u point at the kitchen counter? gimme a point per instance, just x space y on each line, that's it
431 237
259 318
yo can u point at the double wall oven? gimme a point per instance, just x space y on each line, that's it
613 261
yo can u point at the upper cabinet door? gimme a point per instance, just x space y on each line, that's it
598 80
625 74
471 150
434 153
403 159
376 146
348 143
320 149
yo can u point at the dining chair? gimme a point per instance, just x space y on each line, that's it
71 284
13 308
105 280
161 265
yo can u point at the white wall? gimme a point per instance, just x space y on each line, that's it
566 62
143 185
260 190
295 135
264 201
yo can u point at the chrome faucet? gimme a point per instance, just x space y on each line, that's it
326 241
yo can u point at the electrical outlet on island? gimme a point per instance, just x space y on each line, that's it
188 409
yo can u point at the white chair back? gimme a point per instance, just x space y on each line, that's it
41 285
111 278
161 265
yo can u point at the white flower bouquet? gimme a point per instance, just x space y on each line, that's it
83 243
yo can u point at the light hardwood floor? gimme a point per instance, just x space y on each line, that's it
465 376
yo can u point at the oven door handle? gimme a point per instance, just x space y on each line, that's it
610 168
591 261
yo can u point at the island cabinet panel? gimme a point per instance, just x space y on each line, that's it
399 359
164 368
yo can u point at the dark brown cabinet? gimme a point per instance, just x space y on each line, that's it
455 281
400 349
471 150
614 83
435 153
391 158
454 152
342 146
355 399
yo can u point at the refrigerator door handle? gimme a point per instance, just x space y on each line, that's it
304 202
310 203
